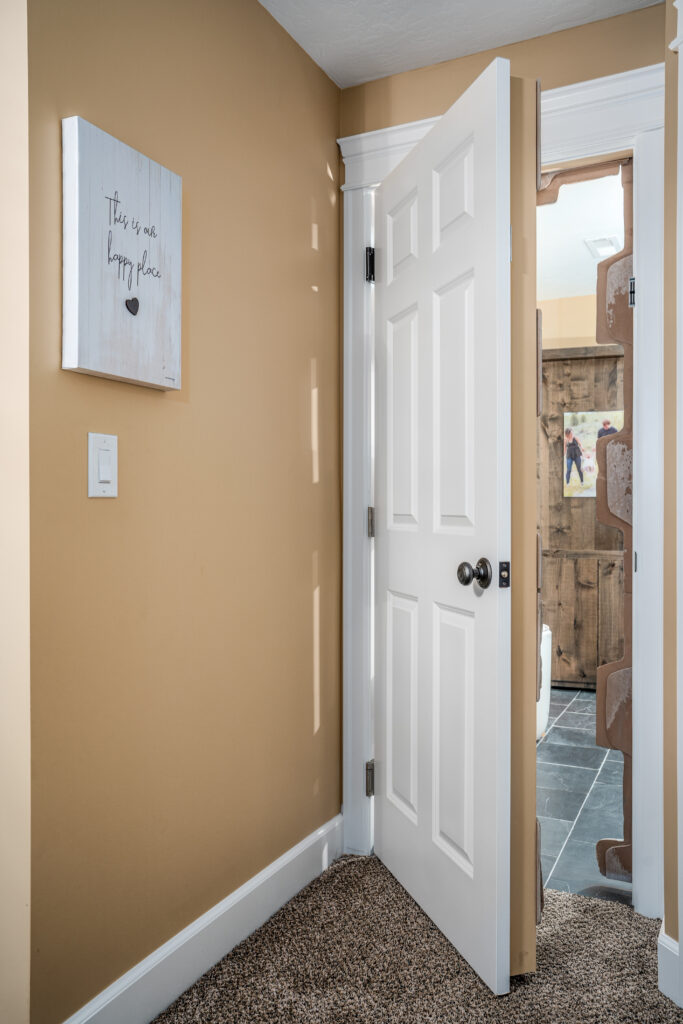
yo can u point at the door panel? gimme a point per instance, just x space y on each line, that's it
402 704
402 415
452 735
442 711
454 404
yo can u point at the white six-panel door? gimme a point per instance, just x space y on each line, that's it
442 649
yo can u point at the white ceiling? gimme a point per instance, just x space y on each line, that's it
584 211
354 41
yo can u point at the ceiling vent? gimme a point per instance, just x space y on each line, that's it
602 248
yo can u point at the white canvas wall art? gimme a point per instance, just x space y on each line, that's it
122 260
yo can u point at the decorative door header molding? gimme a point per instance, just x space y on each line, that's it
603 115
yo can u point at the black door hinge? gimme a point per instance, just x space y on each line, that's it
369 263
631 291
504 575
371 521
370 777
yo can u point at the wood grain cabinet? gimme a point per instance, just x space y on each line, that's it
583 560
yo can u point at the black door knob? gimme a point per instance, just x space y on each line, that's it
481 572
465 573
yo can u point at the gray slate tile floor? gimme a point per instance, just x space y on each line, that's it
578 798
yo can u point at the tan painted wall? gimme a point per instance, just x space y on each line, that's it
177 747
15 757
601 48
569 322
155 694
669 578
590 51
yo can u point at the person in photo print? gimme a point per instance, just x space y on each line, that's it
606 429
573 453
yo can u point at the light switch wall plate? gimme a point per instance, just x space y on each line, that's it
103 468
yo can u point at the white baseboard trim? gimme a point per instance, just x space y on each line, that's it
138 996
667 966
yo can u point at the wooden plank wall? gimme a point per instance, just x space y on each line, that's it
583 561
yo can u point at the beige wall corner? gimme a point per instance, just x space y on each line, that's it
15 763
590 51
669 578
524 520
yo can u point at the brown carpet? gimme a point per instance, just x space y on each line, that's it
354 947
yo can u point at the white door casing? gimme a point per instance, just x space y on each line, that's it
670 960
442 496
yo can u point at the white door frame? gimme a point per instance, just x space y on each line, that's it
606 115
670 962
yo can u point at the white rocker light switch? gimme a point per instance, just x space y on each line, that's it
103 466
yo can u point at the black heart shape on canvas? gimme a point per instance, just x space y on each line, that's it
132 305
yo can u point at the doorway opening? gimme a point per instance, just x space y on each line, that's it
617 114
585 486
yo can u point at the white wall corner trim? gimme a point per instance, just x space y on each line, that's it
139 995
667 965
675 991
